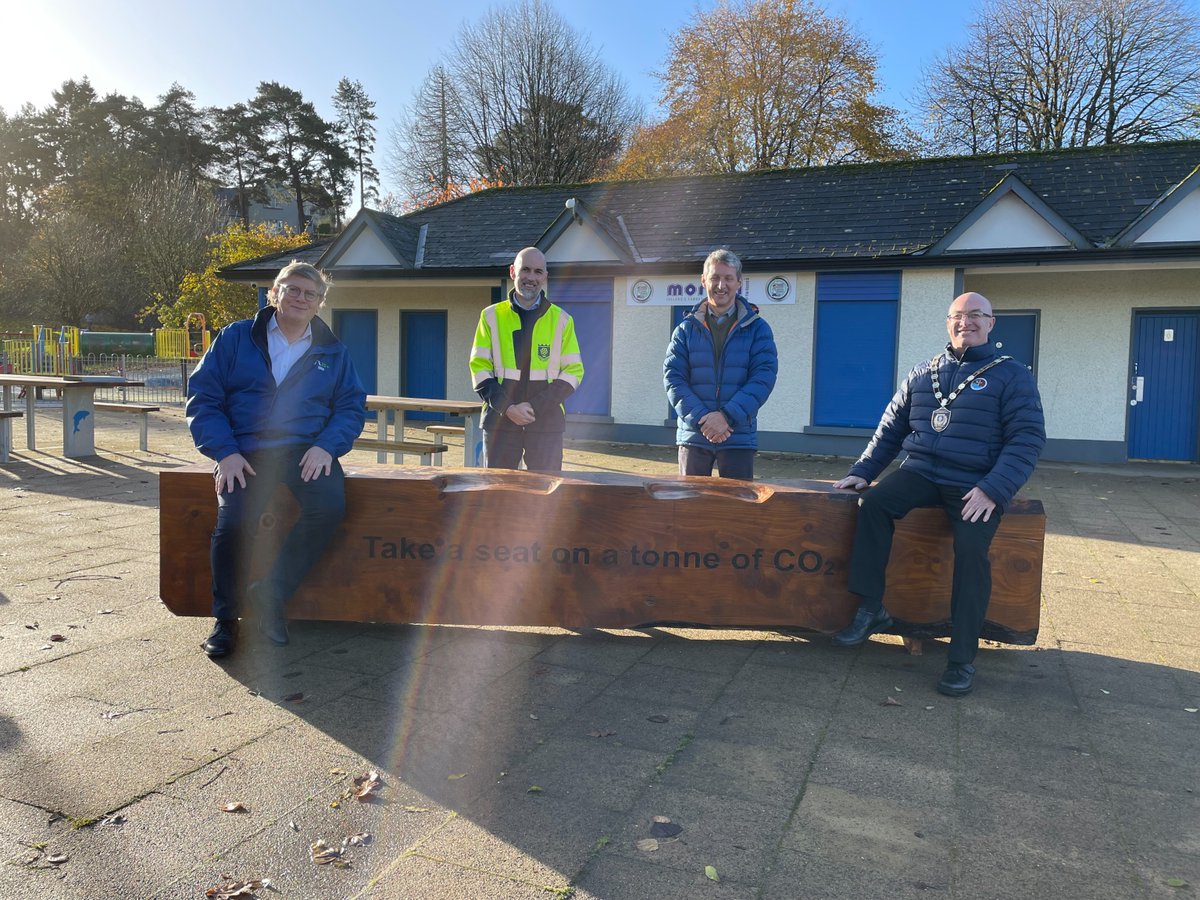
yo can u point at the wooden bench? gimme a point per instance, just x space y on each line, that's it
6 417
140 409
427 452
442 431
490 547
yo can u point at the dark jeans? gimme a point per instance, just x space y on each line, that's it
543 450
234 548
732 463
891 499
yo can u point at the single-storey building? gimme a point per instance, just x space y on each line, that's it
1091 259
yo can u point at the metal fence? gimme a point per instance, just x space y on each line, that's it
164 380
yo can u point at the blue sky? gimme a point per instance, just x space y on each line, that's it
221 50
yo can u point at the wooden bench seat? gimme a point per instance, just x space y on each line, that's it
140 409
426 451
600 550
438 430
6 417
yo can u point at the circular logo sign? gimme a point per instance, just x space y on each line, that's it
642 291
778 288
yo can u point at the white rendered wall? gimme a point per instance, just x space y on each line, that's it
1180 224
925 296
1010 222
1083 354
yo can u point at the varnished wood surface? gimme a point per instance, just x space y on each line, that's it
483 547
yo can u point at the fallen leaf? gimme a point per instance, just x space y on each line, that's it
104 612
649 845
456 776
33 627
929 707
57 859
112 821
54 597
416 809
897 689
532 716
232 888
294 827
661 819
1176 882
367 787
891 701
534 789
1103 691
711 874
335 805
665 829
58 637
322 854
1191 709
657 719
297 697
600 734
337 771
357 840
235 806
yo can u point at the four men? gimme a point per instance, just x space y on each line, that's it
524 363
971 422
275 400
720 369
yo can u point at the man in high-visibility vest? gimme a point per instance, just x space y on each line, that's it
525 362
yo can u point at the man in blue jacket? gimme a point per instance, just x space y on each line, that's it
972 424
720 369
275 400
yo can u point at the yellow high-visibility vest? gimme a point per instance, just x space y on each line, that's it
554 354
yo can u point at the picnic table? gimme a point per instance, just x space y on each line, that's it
468 409
79 406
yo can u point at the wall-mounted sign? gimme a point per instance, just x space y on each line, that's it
763 290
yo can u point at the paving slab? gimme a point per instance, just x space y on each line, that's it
793 768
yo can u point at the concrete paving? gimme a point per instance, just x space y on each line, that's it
531 763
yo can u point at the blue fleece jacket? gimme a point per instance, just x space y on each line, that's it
995 435
234 405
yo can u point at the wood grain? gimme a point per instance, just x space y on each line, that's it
486 547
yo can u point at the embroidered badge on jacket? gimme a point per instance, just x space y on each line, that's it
978 384
543 351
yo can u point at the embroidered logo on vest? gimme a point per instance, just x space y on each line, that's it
543 351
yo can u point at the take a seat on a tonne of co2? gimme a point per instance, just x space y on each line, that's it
583 550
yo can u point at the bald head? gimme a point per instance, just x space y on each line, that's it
528 274
969 321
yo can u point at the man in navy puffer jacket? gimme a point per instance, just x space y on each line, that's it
972 425
720 368
274 400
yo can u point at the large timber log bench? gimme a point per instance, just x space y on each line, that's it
485 547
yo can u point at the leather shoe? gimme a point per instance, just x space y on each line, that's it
957 680
269 616
222 638
866 623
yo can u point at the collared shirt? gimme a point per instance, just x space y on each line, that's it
516 301
283 353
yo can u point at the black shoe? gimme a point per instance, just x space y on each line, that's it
269 616
220 642
866 623
957 680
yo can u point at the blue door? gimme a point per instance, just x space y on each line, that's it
854 373
1164 412
1015 335
589 301
358 329
423 359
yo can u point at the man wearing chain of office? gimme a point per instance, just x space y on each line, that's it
972 425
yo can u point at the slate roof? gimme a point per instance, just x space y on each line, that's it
881 212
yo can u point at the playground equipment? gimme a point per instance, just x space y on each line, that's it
61 351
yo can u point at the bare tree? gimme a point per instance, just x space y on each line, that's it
427 155
1043 74
521 99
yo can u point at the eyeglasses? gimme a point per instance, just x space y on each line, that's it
973 316
292 291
